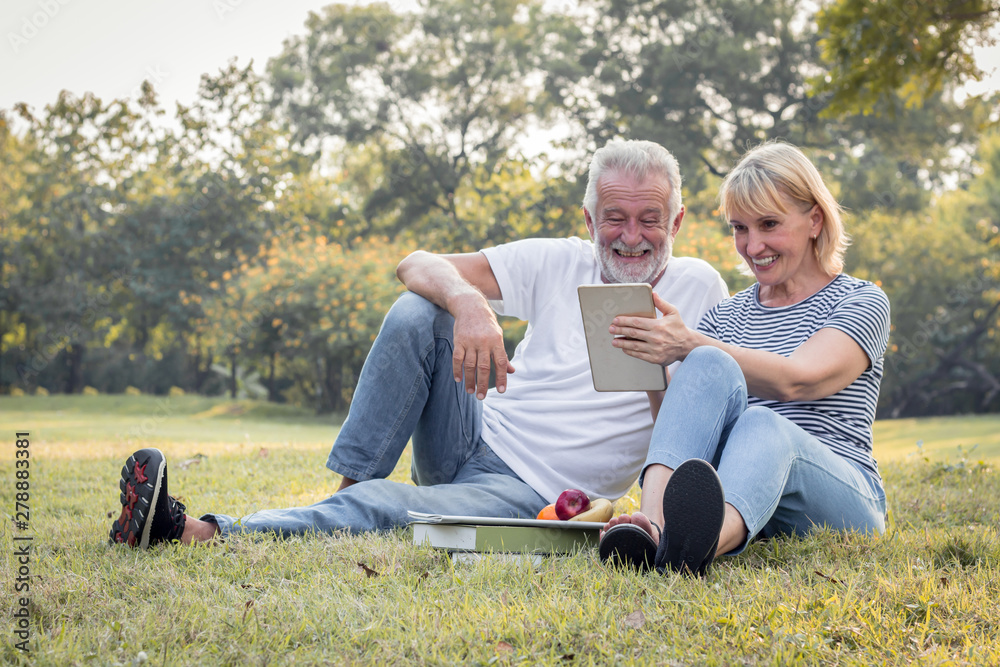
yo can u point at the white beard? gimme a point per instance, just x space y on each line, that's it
644 272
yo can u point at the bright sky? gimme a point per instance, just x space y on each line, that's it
109 47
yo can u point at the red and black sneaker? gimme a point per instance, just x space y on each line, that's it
148 515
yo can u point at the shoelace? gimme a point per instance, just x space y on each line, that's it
177 511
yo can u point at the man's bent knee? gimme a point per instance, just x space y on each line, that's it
412 313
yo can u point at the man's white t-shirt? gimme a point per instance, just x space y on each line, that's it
551 426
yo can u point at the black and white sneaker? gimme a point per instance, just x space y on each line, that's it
148 515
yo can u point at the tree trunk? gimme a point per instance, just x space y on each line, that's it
322 395
142 334
232 375
335 382
201 372
329 384
272 394
74 362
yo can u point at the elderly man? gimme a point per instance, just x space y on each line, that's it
509 451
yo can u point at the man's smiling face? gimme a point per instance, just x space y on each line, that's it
633 231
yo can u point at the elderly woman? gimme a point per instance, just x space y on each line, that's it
766 428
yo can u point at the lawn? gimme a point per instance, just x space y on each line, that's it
923 593
939 438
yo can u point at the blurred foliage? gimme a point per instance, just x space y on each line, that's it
311 308
258 234
941 268
439 100
901 50
706 78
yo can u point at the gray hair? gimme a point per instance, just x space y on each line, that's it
639 159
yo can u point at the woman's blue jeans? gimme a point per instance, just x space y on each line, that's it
406 389
781 479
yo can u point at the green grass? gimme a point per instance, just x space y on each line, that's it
923 593
939 437
84 426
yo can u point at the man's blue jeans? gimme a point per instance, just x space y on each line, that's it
406 389
781 479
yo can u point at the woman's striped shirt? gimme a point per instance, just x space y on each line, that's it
860 309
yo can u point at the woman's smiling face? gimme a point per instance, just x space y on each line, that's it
778 247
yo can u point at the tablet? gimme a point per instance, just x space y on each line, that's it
611 368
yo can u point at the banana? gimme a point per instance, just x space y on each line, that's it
600 510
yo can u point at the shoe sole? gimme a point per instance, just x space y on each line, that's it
138 498
628 545
693 511
144 543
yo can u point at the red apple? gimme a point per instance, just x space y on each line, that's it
570 503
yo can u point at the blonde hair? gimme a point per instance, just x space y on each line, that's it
775 172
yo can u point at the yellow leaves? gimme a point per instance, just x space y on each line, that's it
314 293
214 284
15 337
114 332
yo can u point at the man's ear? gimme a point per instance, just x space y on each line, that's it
590 224
676 226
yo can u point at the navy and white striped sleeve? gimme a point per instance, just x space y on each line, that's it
708 324
864 316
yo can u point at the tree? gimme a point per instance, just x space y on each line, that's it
439 100
216 195
313 306
13 265
940 270
706 78
709 79
913 49
74 170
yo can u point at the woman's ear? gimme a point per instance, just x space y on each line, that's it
816 219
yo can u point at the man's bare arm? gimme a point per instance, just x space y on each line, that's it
462 284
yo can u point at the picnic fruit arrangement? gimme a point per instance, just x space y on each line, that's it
574 505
